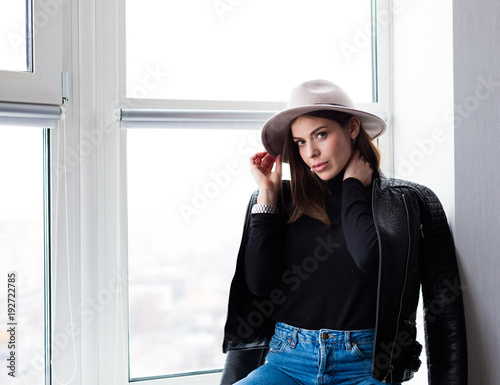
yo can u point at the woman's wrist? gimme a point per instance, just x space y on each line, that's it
267 198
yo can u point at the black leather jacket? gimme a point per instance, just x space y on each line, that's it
416 251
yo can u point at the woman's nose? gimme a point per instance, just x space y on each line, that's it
312 150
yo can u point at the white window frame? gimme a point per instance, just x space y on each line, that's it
34 99
43 85
97 188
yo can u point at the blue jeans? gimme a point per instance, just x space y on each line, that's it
301 356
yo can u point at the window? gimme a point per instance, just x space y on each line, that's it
30 46
24 254
30 93
183 242
255 51
201 78
16 43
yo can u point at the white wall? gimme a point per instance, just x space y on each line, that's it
423 96
477 177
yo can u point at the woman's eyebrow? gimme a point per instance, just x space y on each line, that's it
312 132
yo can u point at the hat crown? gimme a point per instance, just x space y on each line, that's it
319 92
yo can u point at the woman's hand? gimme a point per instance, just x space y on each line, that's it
268 181
359 168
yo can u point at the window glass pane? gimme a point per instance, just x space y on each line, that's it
22 256
187 195
246 50
15 35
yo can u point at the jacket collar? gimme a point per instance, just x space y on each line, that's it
382 181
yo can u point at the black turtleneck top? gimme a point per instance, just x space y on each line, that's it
318 276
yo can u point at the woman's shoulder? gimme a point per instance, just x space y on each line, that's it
390 189
387 183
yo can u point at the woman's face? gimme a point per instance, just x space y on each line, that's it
323 144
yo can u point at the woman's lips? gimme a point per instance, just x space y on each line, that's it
320 166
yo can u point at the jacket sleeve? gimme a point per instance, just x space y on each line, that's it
442 295
239 363
245 345
263 253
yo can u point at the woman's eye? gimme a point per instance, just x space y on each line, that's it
320 135
299 142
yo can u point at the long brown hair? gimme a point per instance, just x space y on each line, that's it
308 190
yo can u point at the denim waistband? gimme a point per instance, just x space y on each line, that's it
323 335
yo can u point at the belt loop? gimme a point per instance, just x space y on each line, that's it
293 342
348 341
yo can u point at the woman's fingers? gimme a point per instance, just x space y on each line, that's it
269 181
268 162
279 165
256 159
359 168
262 160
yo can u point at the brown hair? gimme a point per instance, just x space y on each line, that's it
308 190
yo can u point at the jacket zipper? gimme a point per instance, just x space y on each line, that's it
389 371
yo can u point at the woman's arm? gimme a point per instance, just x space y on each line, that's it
265 242
263 255
359 229
357 219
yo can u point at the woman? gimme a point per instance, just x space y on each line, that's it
331 263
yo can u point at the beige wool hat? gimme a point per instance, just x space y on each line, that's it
315 95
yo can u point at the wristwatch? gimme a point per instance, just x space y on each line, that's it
264 209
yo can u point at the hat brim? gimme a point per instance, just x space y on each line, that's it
275 129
